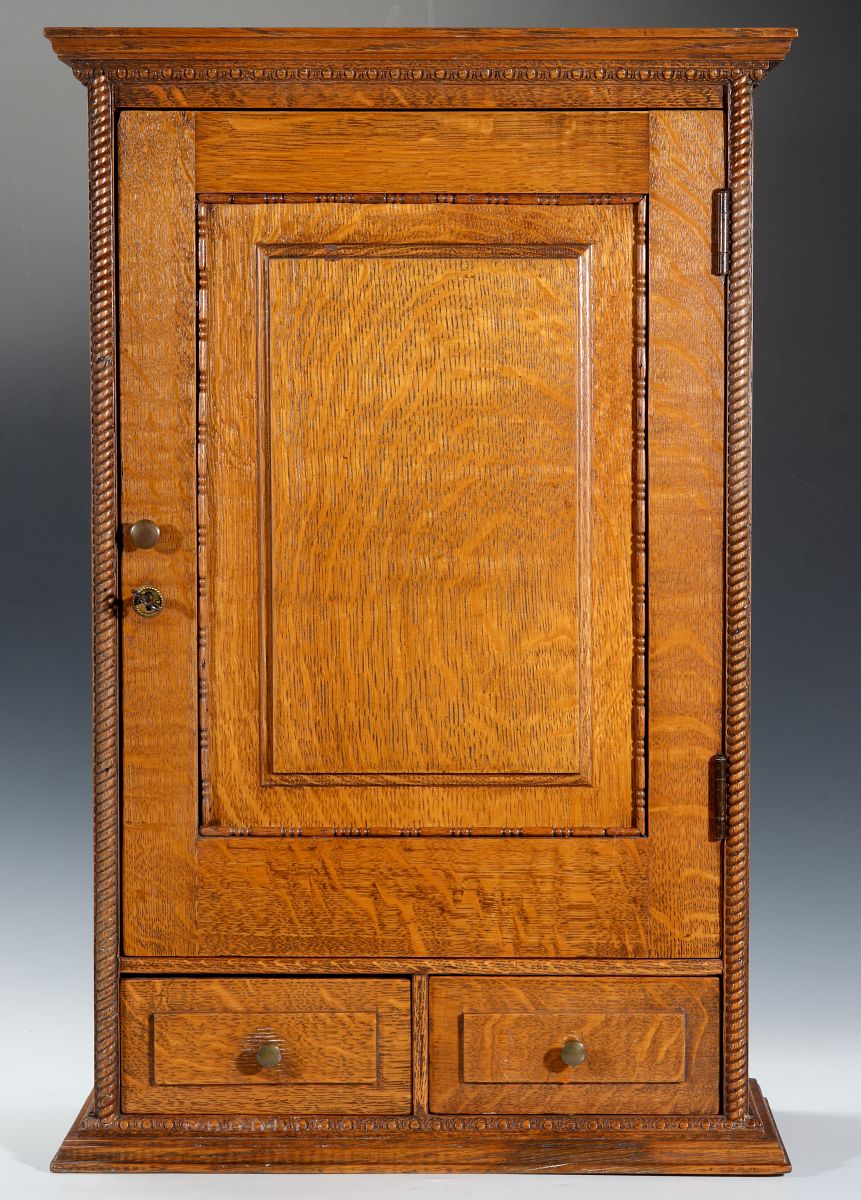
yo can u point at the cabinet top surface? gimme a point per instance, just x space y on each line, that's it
89 50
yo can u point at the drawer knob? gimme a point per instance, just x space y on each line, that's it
573 1052
144 534
269 1054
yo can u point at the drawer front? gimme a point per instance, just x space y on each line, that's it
647 1045
331 1045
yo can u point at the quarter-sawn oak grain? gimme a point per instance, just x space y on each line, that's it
436 152
628 1047
156 250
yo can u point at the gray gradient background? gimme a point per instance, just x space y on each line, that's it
806 823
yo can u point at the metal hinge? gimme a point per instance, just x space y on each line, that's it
718 780
720 232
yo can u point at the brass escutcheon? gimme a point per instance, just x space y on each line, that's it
147 601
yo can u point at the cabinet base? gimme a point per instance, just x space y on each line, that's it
661 1146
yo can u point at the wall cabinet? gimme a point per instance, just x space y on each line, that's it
421 448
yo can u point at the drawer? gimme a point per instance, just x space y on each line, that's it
647 1045
331 1045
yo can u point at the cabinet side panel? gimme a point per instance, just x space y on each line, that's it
685 516
157 445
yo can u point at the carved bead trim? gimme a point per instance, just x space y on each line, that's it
638 519
105 594
413 72
202 584
556 199
314 1126
494 831
737 667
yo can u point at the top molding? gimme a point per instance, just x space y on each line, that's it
420 56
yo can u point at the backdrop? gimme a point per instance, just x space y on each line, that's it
806 811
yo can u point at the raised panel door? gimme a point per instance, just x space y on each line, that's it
416 500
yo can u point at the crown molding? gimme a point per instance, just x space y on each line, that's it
432 56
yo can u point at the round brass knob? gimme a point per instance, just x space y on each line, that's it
269 1054
147 601
573 1052
144 534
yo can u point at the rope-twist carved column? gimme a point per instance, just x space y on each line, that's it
105 614
738 510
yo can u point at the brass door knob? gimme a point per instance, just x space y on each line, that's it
269 1054
573 1052
147 601
144 534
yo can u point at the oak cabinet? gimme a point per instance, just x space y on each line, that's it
421 408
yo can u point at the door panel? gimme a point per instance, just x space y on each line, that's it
429 563
418 523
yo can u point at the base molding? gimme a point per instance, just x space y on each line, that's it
752 1147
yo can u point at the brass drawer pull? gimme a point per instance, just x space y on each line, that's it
573 1052
269 1054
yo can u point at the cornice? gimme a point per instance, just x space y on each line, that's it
452 56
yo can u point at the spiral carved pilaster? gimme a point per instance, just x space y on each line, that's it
738 517
105 599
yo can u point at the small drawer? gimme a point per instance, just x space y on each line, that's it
566 1045
266 1045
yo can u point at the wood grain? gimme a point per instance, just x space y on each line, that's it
445 152
214 1048
343 1042
702 90
685 461
651 1045
627 1047
155 167
429 570
401 897
426 516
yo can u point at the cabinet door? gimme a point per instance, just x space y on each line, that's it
409 471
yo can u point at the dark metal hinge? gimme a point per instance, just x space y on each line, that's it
718 781
720 231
